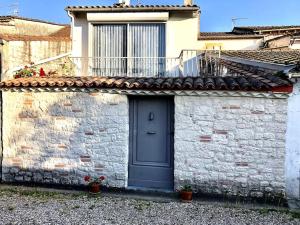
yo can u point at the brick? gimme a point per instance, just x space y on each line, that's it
257 112
89 133
94 94
241 164
220 132
205 138
60 165
68 104
234 107
59 117
76 110
85 158
62 146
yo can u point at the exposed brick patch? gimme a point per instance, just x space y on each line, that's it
28 115
220 132
94 94
64 174
234 107
89 133
16 160
23 147
59 117
241 164
205 138
231 107
99 167
76 110
85 158
257 112
60 165
68 104
28 102
62 146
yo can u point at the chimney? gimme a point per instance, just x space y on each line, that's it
188 2
124 2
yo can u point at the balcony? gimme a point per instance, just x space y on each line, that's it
190 63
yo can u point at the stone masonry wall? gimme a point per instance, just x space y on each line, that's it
60 137
230 145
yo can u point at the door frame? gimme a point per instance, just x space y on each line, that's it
132 133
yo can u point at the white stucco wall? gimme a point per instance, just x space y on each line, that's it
231 145
293 148
60 137
181 33
236 44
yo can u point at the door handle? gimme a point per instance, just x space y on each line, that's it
151 132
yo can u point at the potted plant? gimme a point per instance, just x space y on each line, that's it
186 193
94 183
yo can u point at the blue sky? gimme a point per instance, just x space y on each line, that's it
216 14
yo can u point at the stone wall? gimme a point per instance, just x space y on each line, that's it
233 146
223 145
60 137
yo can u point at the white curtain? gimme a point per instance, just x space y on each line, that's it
132 50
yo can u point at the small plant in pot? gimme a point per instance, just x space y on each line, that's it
94 183
186 193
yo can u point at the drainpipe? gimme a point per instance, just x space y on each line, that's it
1 112
72 27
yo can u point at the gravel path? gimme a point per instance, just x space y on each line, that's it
52 208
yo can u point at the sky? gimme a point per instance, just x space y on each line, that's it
216 15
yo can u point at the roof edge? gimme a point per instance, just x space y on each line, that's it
132 8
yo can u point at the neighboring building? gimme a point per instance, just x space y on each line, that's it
229 41
251 38
142 116
28 40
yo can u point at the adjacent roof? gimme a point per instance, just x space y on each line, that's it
133 8
238 83
63 32
226 35
61 35
266 28
9 18
289 57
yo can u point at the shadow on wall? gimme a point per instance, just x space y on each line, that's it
59 138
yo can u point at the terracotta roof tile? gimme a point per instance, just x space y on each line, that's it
261 28
226 35
9 18
289 57
144 8
230 83
63 32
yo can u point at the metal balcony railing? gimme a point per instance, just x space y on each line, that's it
127 66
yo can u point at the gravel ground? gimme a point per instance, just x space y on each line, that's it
35 207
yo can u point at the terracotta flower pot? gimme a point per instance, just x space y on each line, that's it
95 188
186 196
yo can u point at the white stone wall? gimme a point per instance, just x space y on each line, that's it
230 145
60 137
293 148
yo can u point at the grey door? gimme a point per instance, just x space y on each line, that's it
151 143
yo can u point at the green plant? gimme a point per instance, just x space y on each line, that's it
187 188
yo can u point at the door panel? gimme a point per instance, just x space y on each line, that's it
151 150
